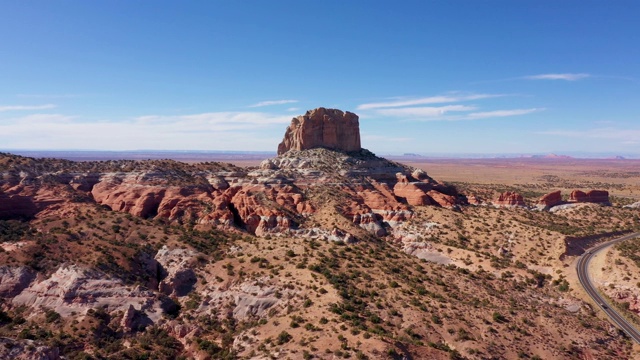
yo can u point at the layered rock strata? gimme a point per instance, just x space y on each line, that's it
550 200
591 196
508 199
328 128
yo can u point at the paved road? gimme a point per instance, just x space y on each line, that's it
583 275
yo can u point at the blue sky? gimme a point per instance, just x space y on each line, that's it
425 76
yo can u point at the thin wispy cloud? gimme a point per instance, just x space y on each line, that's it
566 77
49 96
273 102
406 108
205 131
425 111
26 107
443 99
499 113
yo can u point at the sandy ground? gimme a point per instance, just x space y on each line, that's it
620 177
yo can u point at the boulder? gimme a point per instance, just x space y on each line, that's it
14 279
444 200
327 128
551 199
415 193
176 269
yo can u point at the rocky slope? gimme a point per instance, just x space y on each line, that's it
106 284
276 197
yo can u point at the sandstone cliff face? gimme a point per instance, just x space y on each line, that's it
16 206
592 196
551 199
509 199
415 193
328 128
578 196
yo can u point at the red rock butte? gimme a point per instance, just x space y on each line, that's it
509 199
592 196
322 128
551 199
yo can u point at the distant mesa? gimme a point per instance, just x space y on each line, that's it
322 128
552 156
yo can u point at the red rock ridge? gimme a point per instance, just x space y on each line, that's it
591 196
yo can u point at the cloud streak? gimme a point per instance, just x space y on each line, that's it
4 108
272 102
407 109
443 99
206 131
425 111
500 113
565 77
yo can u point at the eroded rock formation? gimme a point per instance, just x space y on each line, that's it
591 196
176 271
327 128
76 289
551 199
12 206
509 199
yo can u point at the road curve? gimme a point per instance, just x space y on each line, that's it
585 281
